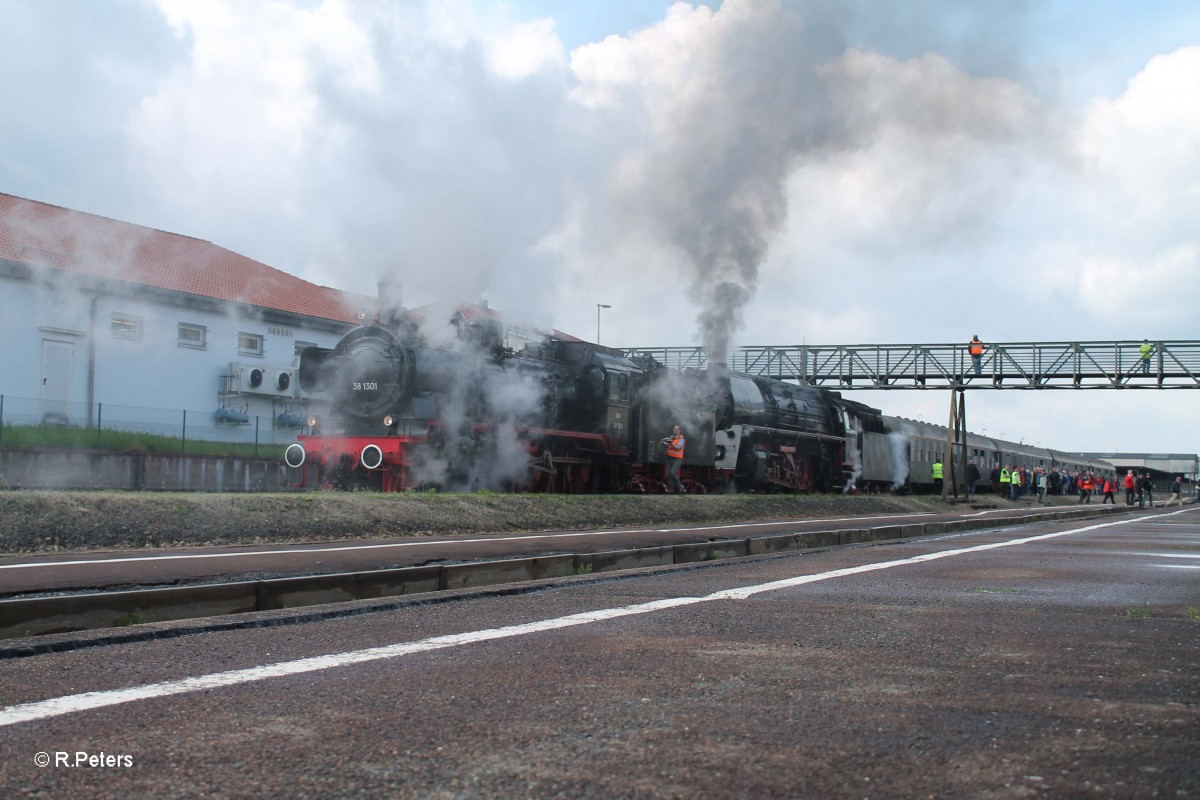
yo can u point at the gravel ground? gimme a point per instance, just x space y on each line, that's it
46 522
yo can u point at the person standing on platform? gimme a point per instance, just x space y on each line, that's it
972 477
1015 480
975 348
1085 487
937 475
675 445
1130 487
1146 350
1176 498
1147 487
1040 479
1110 490
1005 483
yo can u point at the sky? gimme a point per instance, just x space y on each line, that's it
749 172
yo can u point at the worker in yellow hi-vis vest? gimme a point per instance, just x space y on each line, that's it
1005 483
937 475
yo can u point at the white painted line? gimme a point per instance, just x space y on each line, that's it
299 549
1156 555
1176 566
69 704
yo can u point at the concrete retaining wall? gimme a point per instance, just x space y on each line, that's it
73 469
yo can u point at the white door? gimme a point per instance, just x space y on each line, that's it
58 359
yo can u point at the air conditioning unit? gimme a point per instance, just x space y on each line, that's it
263 379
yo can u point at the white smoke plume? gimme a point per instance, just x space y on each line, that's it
482 390
855 454
900 449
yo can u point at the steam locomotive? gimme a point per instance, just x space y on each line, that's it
404 412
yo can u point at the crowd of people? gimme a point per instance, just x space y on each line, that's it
1016 482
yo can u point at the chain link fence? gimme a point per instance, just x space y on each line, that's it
35 421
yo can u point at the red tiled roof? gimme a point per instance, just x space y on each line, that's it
43 235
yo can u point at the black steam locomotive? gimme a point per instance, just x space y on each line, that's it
562 416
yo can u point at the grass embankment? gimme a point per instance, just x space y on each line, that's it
47 521
67 437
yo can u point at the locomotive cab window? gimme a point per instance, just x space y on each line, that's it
618 386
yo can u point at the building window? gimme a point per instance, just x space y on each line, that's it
126 326
250 344
193 336
276 330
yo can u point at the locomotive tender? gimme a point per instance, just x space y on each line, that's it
404 413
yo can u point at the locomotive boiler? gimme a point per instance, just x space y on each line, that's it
782 436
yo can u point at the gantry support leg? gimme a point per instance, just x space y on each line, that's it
956 433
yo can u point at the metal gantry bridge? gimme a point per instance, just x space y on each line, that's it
1006 365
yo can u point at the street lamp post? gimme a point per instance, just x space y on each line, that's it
598 307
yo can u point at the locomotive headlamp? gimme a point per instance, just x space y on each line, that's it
389 421
313 421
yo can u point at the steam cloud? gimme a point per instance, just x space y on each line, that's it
900 442
855 454
512 403
469 157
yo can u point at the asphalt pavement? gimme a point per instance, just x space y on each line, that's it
1055 659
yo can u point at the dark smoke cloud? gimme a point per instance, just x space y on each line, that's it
710 178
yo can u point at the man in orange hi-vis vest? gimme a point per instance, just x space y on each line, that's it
975 348
675 444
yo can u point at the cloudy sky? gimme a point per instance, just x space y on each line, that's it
740 173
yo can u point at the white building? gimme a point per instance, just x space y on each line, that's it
151 330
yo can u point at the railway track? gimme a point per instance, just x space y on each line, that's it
130 613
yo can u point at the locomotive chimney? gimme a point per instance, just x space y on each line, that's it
388 293
388 300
